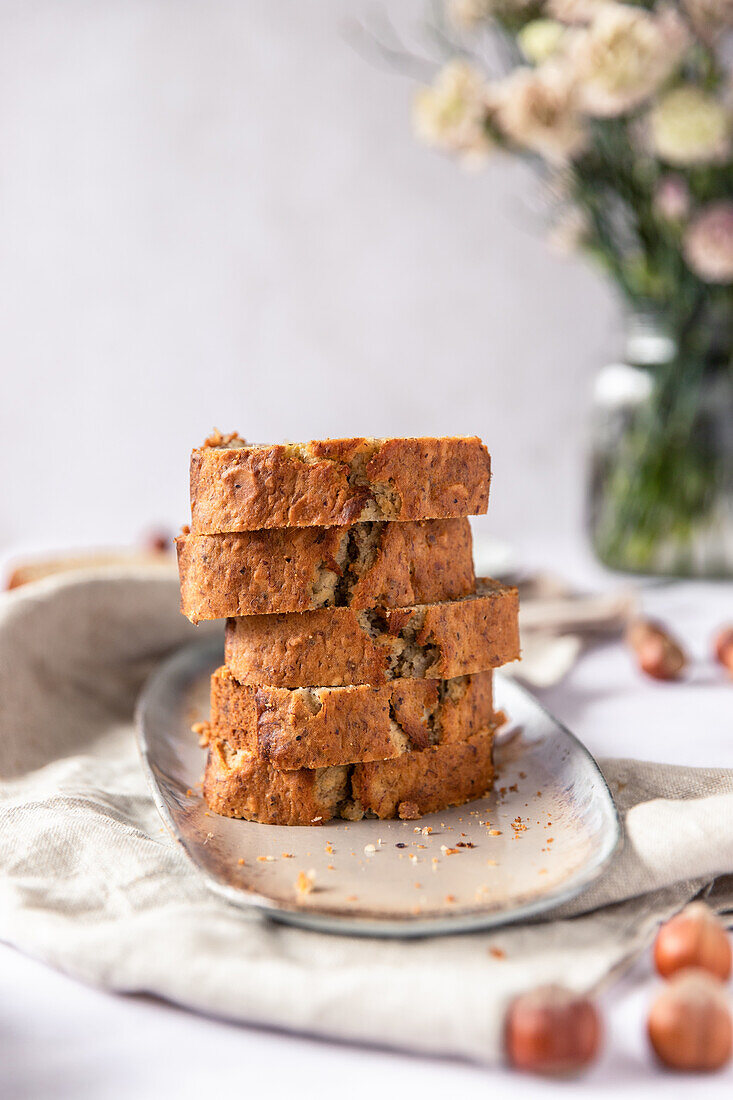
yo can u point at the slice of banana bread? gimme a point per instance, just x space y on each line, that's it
312 727
238 487
239 784
288 569
339 645
422 782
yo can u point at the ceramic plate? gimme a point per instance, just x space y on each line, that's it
545 833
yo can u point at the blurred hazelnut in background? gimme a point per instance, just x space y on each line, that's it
657 652
690 1023
552 1031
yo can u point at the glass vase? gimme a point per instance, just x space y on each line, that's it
660 497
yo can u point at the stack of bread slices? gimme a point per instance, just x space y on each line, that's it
359 643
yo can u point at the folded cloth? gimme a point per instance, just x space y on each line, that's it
91 883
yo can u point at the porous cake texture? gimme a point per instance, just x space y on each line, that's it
236 486
285 569
239 784
339 645
312 727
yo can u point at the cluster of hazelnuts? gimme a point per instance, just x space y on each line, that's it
660 655
552 1030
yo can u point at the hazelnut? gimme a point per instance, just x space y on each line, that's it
157 542
723 648
551 1030
657 652
689 1023
695 937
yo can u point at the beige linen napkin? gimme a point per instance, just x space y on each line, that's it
91 883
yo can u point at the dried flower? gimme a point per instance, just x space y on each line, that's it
708 243
688 126
709 17
540 39
469 14
625 55
537 109
672 198
574 12
451 113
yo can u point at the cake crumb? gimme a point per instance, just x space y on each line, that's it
304 883
201 730
408 811
497 953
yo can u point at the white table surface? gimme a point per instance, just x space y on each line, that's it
61 1039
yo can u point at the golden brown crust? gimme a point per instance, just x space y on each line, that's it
423 782
316 727
339 645
300 569
238 784
334 482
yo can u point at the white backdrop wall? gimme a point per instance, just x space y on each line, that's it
213 212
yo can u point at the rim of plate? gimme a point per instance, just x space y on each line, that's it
193 659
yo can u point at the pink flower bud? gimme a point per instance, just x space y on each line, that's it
708 243
672 199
